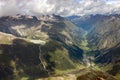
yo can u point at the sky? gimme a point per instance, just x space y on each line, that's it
59 7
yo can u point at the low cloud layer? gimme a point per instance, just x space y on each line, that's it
59 7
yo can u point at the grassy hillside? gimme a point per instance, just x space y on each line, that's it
21 59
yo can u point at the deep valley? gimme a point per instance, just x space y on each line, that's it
51 47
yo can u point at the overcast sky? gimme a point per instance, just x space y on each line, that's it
59 7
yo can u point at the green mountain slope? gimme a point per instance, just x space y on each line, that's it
38 47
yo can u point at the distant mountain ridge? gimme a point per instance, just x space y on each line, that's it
100 27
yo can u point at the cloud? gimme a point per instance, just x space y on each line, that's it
8 7
59 7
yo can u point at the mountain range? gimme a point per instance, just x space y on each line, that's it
51 47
